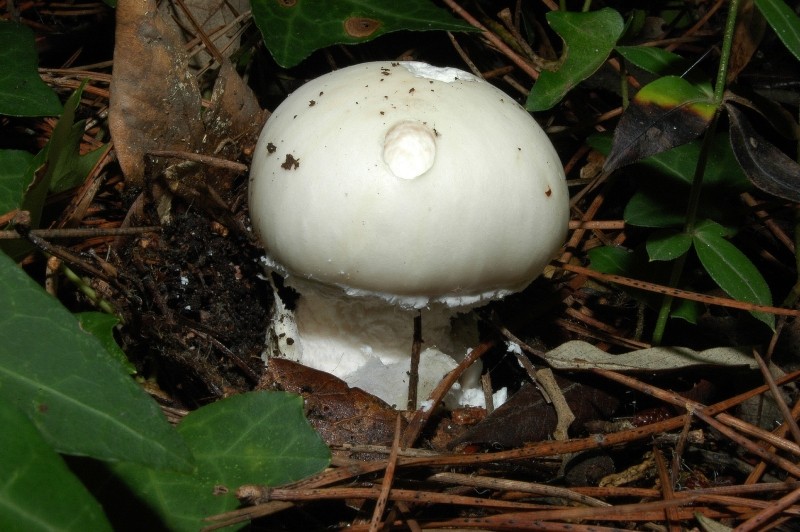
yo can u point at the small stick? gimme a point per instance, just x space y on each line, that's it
388 476
200 158
413 378
776 395
675 292
81 232
494 39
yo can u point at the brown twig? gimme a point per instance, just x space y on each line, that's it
388 477
676 292
204 159
494 39
81 232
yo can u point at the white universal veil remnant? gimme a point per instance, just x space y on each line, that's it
388 187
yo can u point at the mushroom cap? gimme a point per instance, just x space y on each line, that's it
410 182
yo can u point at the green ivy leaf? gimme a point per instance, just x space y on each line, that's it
784 21
730 268
664 181
15 174
101 325
58 167
37 489
668 244
53 159
72 167
656 206
588 41
654 60
722 169
254 438
612 259
82 400
22 91
292 29
621 261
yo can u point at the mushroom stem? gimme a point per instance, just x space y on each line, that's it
367 341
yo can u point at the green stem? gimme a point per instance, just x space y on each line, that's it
700 168
89 292
725 53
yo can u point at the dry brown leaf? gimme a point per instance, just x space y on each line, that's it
155 100
341 415
750 26
217 19
527 417
234 119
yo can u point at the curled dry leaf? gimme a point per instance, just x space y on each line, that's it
578 355
341 415
155 100
768 168
750 26
664 114
527 417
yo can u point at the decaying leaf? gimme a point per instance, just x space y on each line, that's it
341 415
218 20
155 100
234 119
527 417
750 25
664 114
768 168
711 525
578 355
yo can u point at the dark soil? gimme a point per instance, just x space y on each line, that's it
202 307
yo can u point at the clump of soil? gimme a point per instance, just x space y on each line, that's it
199 308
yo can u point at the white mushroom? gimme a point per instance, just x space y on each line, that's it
383 188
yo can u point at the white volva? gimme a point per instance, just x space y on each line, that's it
386 187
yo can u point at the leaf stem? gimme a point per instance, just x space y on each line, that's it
700 168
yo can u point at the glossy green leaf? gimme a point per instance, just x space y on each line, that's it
22 91
654 60
15 174
689 311
253 438
611 259
730 268
56 154
722 169
668 244
588 38
81 399
72 167
664 114
57 167
653 206
664 181
783 21
621 261
37 489
101 326
292 29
